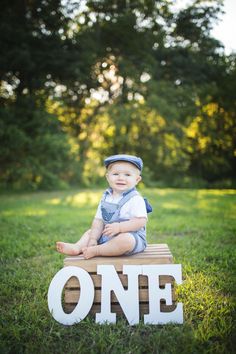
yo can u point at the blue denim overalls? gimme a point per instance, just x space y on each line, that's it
111 213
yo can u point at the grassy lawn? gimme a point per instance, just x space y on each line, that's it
200 229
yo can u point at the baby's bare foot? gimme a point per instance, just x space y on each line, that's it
90 252
70 249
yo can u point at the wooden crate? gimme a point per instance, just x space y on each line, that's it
153 254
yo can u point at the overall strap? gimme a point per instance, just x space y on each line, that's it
105 194
127 197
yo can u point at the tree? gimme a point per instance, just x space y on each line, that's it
120 76
33 146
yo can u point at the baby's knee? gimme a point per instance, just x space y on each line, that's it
88 232
127 239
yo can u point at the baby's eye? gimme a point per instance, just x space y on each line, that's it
115 174
127 174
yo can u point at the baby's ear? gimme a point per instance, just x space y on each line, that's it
139 178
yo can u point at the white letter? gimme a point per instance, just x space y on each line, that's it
155 315
86 295
128 299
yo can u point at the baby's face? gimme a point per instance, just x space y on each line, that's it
122 176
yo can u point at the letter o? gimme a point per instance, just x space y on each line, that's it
86 295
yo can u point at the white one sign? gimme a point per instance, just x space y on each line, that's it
128 298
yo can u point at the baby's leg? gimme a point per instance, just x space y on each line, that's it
73 249
117 246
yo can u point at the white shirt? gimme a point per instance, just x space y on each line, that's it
135 207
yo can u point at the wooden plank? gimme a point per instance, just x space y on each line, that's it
158 251
143 280
143 308
132 259
72 296
153 254
90 265
146 253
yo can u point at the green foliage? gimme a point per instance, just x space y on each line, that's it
35 152
120 77
199 227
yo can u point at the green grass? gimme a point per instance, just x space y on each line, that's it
199 227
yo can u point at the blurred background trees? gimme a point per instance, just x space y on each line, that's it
81 80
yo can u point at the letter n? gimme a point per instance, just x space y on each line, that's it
128 299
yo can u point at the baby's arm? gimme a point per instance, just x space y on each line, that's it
95 232
124 226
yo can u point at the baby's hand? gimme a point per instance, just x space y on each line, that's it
112 229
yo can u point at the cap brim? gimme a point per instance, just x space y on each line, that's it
107 163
